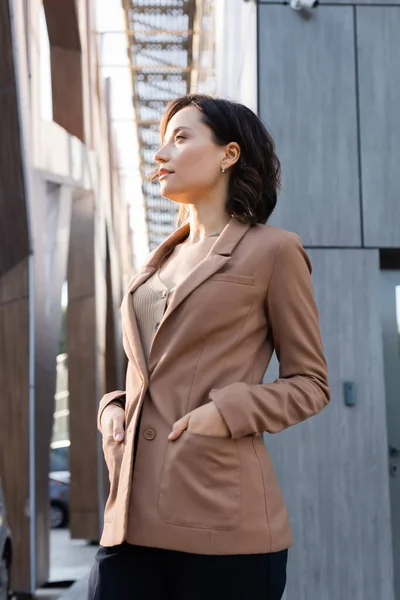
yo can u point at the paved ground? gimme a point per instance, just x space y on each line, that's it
70 560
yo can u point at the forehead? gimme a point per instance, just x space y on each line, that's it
186 117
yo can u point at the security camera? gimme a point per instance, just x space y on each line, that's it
303 4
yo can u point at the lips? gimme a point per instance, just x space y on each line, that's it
163 173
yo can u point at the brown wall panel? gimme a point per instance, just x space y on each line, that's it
12 183
14 243
7 79
83 388
66 65
81 253
14 285
14 414
83 409
111 364
66 84
62 23
14 314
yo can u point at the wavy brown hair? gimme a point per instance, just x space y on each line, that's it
255 178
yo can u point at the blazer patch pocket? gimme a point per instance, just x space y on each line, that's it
201 484
232 278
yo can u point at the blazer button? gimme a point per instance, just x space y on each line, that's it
164 294
149 434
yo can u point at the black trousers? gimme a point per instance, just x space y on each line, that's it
128 572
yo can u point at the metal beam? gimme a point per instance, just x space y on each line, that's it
154 84
147 32
160 69
157 45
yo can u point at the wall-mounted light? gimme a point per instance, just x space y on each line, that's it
349 393
303 4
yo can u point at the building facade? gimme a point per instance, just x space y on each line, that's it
61 219
326 84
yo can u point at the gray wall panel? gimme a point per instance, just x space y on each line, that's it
378 41
307 99
333 469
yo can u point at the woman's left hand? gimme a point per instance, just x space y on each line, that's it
205 420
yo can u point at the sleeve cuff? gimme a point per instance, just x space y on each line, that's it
231 402
117 397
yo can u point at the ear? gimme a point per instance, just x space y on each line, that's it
231 155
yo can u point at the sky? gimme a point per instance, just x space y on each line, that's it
114 62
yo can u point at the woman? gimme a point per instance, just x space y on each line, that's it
194 509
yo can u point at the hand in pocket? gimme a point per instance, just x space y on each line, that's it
113 422
205 420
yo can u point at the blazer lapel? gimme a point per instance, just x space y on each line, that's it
218 256
207 267
134 346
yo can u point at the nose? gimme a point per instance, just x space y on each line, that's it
160 156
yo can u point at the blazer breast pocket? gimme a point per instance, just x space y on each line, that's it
232 278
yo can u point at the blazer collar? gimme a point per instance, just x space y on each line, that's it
224 245
218 256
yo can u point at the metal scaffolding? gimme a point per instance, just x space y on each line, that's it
160 37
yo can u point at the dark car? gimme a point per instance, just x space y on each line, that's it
59 457
59 481
5 550
59 499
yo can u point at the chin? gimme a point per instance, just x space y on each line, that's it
171 194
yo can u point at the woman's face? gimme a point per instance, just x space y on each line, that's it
189 160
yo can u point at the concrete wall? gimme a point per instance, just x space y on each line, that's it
328 90
323 86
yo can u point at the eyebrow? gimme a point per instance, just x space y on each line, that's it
175 131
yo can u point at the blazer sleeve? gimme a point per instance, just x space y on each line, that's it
117 397
302 387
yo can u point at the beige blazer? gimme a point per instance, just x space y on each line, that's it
251 295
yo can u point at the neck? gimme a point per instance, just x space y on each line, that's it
204 223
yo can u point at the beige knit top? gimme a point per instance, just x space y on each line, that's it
151 299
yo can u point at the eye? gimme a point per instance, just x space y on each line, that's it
179 137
